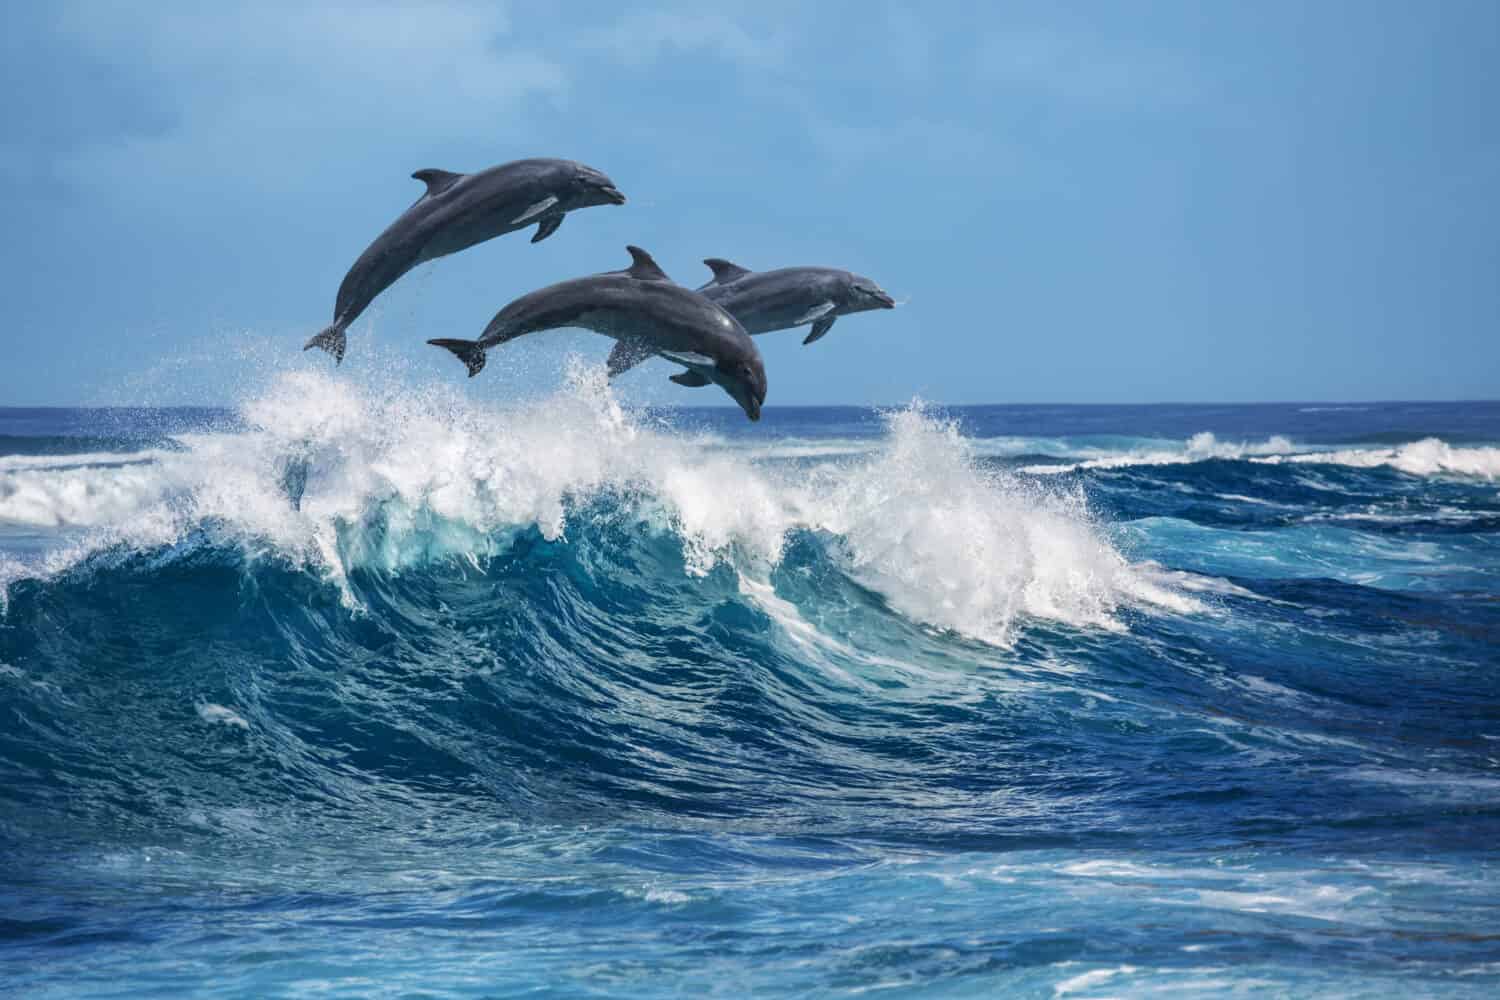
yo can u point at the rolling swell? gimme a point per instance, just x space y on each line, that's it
546 614
196 692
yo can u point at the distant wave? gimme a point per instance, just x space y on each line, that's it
1428 457
1199 448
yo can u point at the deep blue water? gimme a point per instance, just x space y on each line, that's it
356 693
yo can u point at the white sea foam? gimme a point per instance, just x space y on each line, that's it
1199 448
963 548
86 496
1428 457
397 477
219 715
1241 498
12 463
795 448
1091 979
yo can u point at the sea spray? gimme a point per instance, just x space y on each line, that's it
955 545
335 477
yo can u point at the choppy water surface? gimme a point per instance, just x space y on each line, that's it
351 693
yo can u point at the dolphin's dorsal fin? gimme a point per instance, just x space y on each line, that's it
724 271
643 268
437 181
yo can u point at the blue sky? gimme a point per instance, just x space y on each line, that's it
1083 202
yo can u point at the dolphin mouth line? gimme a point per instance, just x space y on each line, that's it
614 194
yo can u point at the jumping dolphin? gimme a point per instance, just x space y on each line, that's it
456 212
647 313
791 296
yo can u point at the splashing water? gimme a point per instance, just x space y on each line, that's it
390 479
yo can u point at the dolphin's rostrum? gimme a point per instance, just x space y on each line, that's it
647 313
458 211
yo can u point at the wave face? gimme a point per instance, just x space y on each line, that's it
601 701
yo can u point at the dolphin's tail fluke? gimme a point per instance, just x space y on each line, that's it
468 351
331 340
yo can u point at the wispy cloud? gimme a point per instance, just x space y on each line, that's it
642 38
246 86
1082 69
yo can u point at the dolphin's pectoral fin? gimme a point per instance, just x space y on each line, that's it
626 355
688 359
535 210
437 181
725 271
547 227
821 327
821 309
643 267
695 364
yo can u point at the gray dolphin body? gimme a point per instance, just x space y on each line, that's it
764 301
791 296
457 212
647 313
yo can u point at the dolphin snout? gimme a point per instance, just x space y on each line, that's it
885 300
613 194
748 396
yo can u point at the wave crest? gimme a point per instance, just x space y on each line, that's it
1201 447
1428 457
336 478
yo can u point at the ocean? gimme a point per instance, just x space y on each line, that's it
353 693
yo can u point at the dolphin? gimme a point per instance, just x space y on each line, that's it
791 296
647 313
458 211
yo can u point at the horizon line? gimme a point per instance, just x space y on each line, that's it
839 406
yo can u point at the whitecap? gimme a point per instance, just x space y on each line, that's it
1428 457
1201 447
219 715
390 478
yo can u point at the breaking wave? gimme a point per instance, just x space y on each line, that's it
335 479
1428 457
